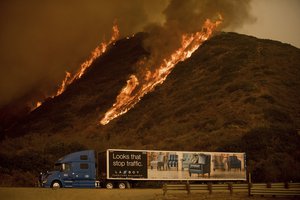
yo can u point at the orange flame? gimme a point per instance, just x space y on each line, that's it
38 104
97 52
130 95
35 105
63 85
124 96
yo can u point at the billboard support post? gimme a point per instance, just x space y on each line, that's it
210 187
249 178
188 187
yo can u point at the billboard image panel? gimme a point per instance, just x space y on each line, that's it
196 165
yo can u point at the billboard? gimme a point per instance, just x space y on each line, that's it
176 165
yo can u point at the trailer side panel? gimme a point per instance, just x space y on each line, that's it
175 165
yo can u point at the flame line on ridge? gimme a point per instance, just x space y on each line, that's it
127 99
97 52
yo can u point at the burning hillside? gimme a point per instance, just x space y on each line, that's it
98 51
186 25
231 91
79 106
134 90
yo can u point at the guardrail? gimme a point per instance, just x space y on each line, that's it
210 188
275 189
262 189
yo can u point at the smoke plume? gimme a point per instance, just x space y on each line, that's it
40 40
187 25
188 16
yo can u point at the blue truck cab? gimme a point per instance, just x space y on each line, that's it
73 170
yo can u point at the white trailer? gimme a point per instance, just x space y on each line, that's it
121 167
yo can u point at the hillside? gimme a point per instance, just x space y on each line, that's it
236 93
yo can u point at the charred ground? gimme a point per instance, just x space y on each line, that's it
236 93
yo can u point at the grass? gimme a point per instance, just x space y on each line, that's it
74 194
115 194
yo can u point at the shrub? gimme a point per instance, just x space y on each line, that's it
60 149
206 125
250 100
268 98
235 123
275 116
272 153
224 78
244 86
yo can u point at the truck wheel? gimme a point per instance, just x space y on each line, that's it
109 185
122 185
56 185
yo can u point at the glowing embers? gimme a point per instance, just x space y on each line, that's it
139 85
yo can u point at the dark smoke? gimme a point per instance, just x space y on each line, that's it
181 17
188 16
40 40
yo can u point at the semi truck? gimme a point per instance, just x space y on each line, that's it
123 168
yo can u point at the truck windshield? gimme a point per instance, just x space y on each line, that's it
65 167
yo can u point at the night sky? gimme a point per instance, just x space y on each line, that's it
40 40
